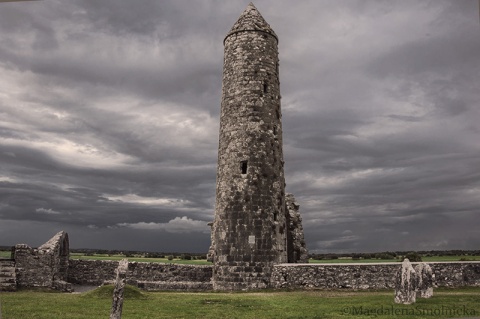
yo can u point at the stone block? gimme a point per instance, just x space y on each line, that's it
405 284
424 280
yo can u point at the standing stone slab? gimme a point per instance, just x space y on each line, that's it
405 284
424 280
117 304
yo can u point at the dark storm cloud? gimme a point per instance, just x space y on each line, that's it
110 112
398 142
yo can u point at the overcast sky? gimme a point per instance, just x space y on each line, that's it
109 118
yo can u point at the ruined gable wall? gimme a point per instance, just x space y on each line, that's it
59 248
46 266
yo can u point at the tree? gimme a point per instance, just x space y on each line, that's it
413 256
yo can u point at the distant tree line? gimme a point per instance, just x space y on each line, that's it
411 255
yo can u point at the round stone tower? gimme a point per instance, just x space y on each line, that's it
249 230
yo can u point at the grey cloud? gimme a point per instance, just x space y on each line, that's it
105 100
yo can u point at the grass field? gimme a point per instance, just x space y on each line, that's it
6 254
140 259
425 259
271 304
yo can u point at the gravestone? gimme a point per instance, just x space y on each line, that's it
405 284
117 303
424 280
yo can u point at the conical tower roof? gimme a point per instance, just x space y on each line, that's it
251 20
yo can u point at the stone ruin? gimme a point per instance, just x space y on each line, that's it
411 283
256 225
424 280
45 266
296 248
41 268
405 284
118 290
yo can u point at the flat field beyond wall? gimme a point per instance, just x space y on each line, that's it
446 303
178 260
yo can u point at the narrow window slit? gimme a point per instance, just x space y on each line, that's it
265 87
244 166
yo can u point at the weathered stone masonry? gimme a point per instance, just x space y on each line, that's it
145 275
369 276
46 266
249 233
35 269
157 276
8 278
257 227
296 247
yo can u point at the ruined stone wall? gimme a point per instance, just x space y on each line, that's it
8 279
58 247
141 271
33 267
368 276
46 266
296 246
159 276
91 272
250 223
145 275
457 274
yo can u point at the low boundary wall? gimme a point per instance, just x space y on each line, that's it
145 275
368 276
160 276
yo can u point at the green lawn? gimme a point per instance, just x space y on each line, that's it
267 304
5 254
425 259
450 258
140 259
350 261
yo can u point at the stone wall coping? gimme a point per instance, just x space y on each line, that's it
373 264
166 264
